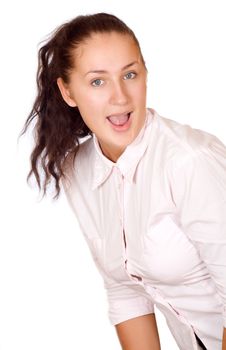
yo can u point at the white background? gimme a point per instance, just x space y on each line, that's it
51 295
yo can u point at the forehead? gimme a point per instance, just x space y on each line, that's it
106 50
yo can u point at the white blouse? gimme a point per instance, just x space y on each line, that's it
155 222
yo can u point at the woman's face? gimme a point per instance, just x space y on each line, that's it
108 85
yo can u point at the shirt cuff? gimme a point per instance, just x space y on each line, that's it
123 310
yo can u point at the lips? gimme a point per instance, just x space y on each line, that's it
119 119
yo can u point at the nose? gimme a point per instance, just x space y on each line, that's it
119 95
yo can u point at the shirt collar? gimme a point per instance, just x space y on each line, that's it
129 159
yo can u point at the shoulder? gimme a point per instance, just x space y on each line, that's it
185 136
85 151
181 141
75 163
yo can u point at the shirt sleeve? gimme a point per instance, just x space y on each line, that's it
126 299
199 191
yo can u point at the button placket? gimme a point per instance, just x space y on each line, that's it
136 279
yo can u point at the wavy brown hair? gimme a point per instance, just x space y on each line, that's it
60 128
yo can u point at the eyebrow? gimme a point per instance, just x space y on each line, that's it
101 71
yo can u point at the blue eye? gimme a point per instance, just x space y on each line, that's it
130 75
97 82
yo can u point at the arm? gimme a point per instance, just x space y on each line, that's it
200 194
139 333
224 340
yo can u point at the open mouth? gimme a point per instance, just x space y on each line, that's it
119 119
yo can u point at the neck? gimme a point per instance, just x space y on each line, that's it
111 154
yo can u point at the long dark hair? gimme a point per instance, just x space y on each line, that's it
59 128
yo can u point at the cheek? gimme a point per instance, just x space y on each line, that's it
143 89
91 110
139 91
93 99
88 104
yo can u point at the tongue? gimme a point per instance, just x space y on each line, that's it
119 119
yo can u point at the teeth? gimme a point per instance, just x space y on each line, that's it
119 119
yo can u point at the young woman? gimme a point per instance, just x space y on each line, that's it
148 192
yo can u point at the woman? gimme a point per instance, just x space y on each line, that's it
148 192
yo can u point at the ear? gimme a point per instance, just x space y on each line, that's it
65 93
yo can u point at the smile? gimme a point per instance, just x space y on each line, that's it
120 122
